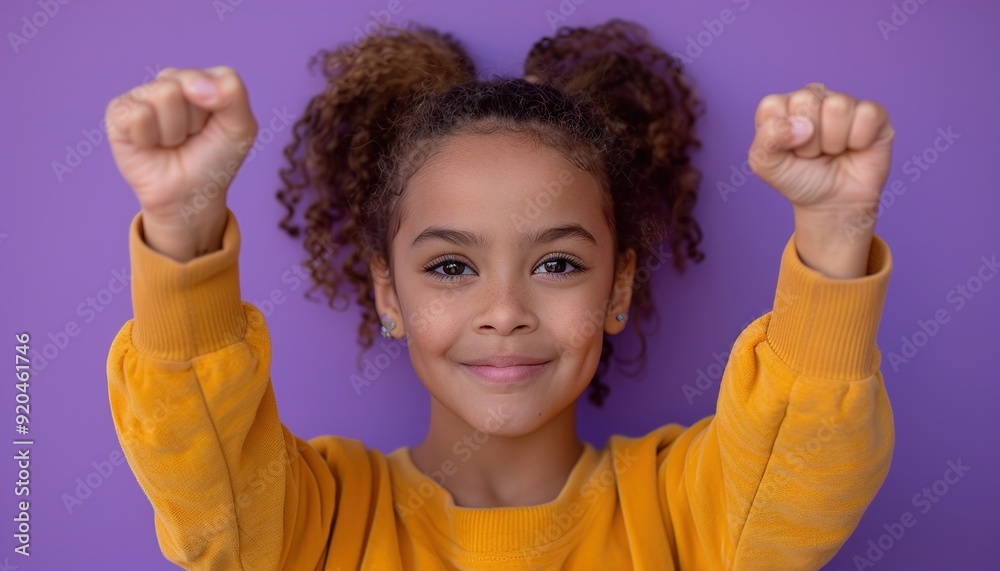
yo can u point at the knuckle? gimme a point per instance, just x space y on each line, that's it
138 113
225 73
837 102
880 111
163 72
223 70
769 101
112 108
870 110
145 91
805 99
134 94
817 89
179 76
112 117
768 104
167 88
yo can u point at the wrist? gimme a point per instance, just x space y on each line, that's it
184 240
833 243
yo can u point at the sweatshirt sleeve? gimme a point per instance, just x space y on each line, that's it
194 410
803 431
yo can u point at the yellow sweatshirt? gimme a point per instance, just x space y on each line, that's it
776 480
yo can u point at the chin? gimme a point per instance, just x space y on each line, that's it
507 419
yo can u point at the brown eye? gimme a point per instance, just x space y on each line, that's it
453 268
561 266
449 270
555 266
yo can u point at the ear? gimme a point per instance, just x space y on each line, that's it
386 300
621 293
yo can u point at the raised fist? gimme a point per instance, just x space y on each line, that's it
823 150
180 139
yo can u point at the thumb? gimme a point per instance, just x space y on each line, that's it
221 91
775 139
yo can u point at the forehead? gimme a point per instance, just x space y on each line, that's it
499 185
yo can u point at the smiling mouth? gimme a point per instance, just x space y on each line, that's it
507 375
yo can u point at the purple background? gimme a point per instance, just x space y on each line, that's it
61 241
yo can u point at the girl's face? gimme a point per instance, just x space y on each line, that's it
503 281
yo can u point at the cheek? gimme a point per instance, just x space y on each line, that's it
430 318
582 324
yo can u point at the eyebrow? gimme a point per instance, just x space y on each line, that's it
525 239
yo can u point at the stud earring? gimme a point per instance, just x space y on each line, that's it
387 326
621 316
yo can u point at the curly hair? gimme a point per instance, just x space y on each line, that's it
606 98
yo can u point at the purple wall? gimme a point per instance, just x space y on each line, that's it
63 239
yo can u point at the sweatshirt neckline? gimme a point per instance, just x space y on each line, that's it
507 532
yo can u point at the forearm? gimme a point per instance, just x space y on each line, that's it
803 429
205 444
194 408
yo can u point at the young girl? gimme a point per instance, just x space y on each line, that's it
499 228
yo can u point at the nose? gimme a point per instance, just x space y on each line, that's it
506 310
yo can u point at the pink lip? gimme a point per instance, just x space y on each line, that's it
506 375
506 361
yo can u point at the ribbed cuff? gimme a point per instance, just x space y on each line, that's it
183 310
826 327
